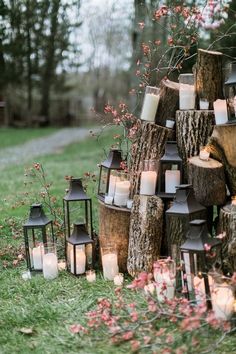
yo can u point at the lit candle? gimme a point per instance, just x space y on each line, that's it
108 199
149 108
80 261
220 110
37 256
91 275
186 96
172 179
119 279
204 155
223 302
110 265
203 103
148 182
50 268
170 124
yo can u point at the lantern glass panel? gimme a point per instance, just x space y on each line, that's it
230 94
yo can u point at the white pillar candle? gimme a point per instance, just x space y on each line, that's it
119 279
204 104
80 261
148 182
204 155
220 110
172 179
170 124
186 96
108 199
37 256
121 199
50 268
149 108
110 265
90 276
112 185
122 193
122 187
223 302
187 271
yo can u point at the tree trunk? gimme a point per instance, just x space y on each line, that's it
149 145
208 181
227 224
168 103
145 233
223 148
209 76
114 229
193 129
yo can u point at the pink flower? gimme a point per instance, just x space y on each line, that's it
207 247
77 328
128 335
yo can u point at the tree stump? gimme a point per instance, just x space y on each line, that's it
223 148
193 129
145 233
208 181
168 103
149 145
114 229
209 76
227 224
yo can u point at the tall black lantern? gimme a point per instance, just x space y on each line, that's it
199 254
170 171
107 167
38 232
184 209
79 250
230 95
77 208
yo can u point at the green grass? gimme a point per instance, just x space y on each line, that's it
12 136
50 307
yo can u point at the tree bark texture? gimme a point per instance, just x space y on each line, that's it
145 233
149 145
223 148
193 129
208 181
227 224
168 103
114 229
209 76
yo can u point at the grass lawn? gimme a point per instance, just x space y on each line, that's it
35 315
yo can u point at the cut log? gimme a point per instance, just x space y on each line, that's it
208 181
223 148
193 129
114 229
168 103
145 233
227 224
149 145
209 76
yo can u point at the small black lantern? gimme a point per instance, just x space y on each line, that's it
77 205
38 232
199 254
170 171
230 94
107 167
79 250
184 209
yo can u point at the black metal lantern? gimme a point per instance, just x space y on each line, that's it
79 250
38 232
184 209
111 164
230 95
170 171
199 254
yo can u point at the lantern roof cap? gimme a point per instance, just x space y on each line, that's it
79 235
114 159
37 217
76 191
171 152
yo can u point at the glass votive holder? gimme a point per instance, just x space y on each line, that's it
186 91
50 262
150 103
109 261
108 199
203 103
148 177
129 203
119 279
204 154
164 272
91 275
222 299
170 124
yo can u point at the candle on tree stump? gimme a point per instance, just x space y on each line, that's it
150 103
